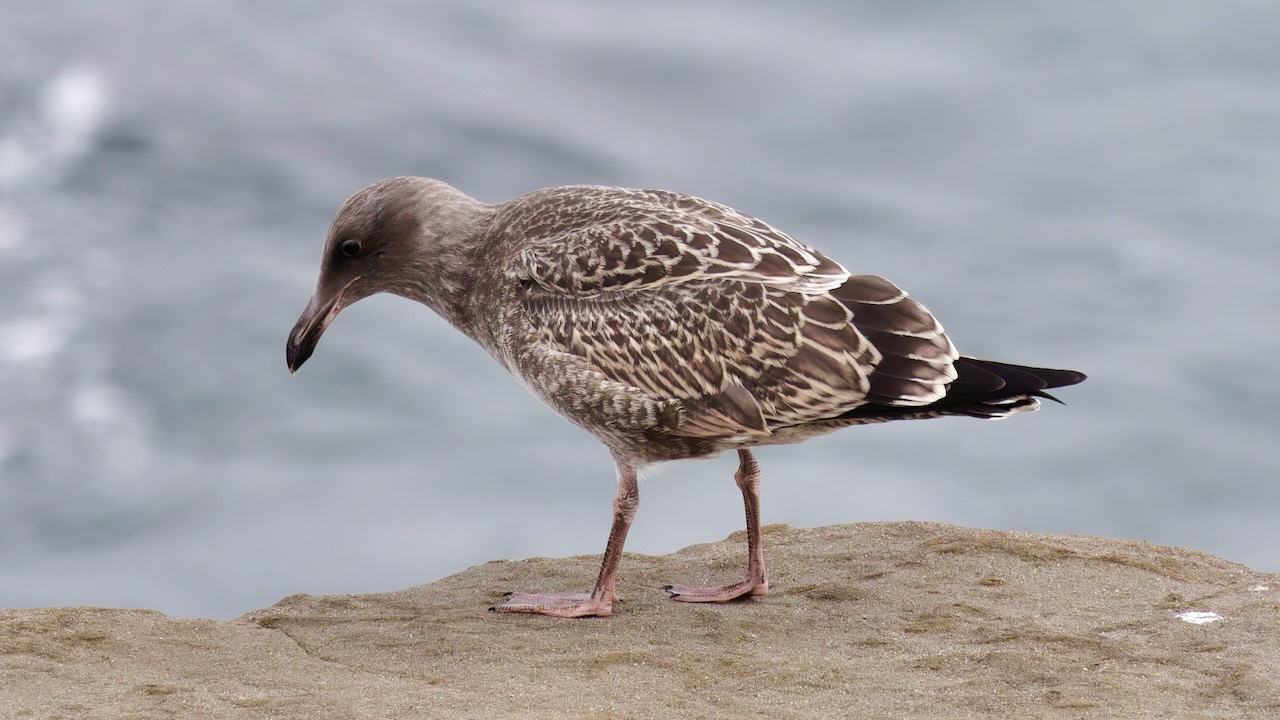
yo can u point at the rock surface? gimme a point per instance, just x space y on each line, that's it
902 620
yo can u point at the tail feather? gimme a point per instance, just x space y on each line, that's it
984 389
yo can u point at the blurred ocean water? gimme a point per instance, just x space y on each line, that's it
1067 185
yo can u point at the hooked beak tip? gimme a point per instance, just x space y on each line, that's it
306 333
295 354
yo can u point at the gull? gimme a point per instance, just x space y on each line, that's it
667 326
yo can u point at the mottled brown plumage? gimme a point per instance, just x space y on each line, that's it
668 326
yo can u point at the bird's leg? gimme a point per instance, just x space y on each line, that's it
748 479
598 602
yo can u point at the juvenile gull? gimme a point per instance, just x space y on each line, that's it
667 326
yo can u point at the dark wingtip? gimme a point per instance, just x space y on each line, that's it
1075 377
1047 396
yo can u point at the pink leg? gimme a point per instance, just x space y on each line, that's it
599 602
748 479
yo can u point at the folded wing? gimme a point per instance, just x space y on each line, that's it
690 300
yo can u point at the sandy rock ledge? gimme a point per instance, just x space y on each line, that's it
902 620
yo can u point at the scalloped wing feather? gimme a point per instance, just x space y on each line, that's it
601 239
690 300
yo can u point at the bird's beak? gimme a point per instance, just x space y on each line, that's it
315 319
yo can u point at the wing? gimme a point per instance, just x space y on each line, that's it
691 300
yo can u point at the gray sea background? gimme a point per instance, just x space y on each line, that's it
1082 185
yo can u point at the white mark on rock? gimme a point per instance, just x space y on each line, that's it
1198 617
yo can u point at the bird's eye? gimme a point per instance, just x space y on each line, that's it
350 248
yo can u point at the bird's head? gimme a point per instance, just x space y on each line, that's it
399 235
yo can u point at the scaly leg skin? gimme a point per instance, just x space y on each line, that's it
598 602
748 479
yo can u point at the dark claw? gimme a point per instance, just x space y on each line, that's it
667 587
493 608
508 594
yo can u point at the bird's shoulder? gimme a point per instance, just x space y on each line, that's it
584 240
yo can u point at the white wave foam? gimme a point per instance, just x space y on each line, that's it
81 441
53 314
116 424
71 111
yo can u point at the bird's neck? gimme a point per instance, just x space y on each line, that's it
445 271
